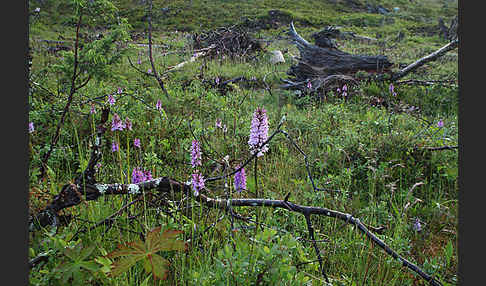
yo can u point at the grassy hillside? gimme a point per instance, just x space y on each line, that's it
376 155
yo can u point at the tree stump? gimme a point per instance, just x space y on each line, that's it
326 60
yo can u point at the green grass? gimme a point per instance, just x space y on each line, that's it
365 151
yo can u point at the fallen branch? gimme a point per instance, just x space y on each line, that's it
68 197
441 148
431 57
192 59
449 83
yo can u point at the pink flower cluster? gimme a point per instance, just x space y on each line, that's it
195 154
197 182
118 124
259 132
197 178
240 180
139 175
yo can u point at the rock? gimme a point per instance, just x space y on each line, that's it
277 57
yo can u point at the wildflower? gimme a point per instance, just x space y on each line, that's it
218 123
224 128
137 176
31 127
128 124
114 147
111 99
98 166
116 123
217 80
158 105
345 88
195 154
240 180
37 10
338 90
149 71
147 175
259 132
417 226
197 183
136 142
345 91
392 90
139 61
440 124
119 90
309 85
92 110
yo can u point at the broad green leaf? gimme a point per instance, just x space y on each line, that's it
89 265
135 251
86 252
159 266
152 238
122 265
167 241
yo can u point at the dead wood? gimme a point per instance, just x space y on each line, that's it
154 71
318 61
420 62
448 33
325 38
233 41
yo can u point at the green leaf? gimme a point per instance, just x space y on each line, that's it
86 252
137 250
159 266
122 265
89 265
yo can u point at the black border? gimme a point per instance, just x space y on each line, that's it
14 144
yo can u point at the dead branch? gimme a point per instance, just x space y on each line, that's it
68 197
441 148
73 90
324 38
234 41
154 71
431 57
196 55
449 83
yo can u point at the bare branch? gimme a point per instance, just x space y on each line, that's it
431 57
54 140
154 71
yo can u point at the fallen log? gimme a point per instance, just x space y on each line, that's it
324 38
327 60
319 63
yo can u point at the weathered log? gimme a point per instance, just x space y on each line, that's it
324 38
318 61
